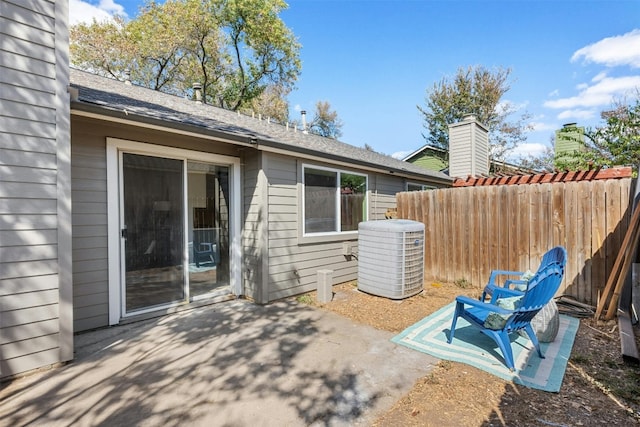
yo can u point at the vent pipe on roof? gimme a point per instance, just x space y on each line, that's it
197 89
127 76
303 113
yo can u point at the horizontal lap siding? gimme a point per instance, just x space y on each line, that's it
29 268
382 195
89 219
293 266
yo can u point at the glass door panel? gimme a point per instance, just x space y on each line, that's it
208 227
153 231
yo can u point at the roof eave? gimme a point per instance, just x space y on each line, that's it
246 140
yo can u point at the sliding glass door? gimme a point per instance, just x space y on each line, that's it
174 229
208 227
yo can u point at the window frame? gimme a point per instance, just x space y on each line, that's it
424 187
337 234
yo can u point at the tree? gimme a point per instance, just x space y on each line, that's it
477 91
616 142
102 47
271 103
326 122
541 163
235 49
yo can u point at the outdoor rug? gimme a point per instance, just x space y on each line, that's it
474 348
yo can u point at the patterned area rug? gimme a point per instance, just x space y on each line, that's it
474 348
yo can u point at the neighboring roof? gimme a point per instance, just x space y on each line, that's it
501 165
424 148
113 98
568 176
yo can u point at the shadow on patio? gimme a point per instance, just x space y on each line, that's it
232 363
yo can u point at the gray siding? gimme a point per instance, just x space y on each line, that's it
90 251
35 308
460 162
89 196
293 265
382 194
468 149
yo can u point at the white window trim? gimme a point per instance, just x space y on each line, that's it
420 184
113 149
349 234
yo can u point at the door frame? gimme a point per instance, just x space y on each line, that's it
114 148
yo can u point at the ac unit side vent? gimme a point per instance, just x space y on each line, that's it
391 258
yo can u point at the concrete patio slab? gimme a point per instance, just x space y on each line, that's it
227 364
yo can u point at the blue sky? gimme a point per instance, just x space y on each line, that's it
373 60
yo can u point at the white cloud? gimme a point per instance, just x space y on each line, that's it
599 76
85 12
512 107
602 93
578 114
554 93
401 154
537 126
534 149
613 51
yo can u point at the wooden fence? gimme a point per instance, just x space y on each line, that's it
471 230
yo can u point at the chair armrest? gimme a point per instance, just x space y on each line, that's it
510 282
491 284
483 305
496 273
504 293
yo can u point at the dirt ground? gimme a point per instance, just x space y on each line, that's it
598 387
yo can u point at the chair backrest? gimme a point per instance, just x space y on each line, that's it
542 288
557 255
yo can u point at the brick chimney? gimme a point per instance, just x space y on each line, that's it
468 148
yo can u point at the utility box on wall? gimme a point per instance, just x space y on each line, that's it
391 258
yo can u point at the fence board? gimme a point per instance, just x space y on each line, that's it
471 230
598 236
571 232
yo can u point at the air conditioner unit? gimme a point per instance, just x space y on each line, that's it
391 257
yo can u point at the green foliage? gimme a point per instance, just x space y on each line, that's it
325 121
235 49
305 299
615 143
463 283
477 91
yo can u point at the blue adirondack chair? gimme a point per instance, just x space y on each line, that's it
541 288
556 255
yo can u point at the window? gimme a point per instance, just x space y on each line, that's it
412 186
334 201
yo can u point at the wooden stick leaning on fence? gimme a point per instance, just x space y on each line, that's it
612 309
620 269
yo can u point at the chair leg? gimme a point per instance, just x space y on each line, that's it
454 321
502 339
534 339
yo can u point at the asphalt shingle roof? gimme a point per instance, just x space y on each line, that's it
115 98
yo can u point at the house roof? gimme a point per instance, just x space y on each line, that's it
541 178
113 98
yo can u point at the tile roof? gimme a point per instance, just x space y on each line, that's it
114 98
541 178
